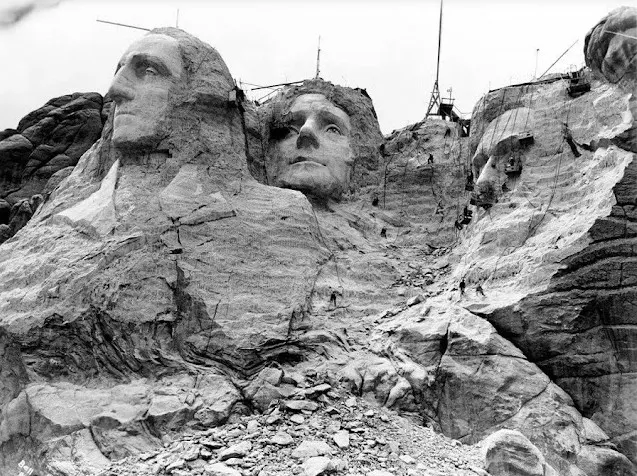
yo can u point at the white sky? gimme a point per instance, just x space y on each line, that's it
387 47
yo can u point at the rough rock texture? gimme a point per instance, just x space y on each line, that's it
611 55
554 255
424 199
155 296
133 293
46 141
510 453
366 139
380 441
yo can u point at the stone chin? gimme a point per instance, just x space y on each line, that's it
311 178
132 133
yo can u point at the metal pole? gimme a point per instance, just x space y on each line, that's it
537 52
621 34
122 24
275 85
567 49
177 20
318 58
439 42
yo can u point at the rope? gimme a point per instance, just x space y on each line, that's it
533 228
509 118
555 180
497 118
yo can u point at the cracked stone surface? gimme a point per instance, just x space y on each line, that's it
45 147
163 306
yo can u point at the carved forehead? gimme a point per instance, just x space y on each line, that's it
159 47
320 104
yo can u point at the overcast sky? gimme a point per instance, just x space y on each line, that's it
386 47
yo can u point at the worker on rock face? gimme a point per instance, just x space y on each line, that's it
463 285
479 290
430 160
568 137
333 299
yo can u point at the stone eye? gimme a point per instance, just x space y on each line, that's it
146 69
332 129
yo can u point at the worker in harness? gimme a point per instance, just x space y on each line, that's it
479 290
333 299
568 137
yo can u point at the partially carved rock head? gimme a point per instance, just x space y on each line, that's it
147 74
317 134
160 81
610 47
312 150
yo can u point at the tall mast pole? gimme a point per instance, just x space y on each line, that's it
318 58
435 93
439 42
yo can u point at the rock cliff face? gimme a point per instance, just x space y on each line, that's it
43 150
555 253
133 297
159 292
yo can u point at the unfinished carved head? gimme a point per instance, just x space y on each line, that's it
146 75
610 47
311 148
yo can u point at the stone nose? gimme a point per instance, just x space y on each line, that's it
308 136
488 174
121 88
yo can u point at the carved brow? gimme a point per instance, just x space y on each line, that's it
153 61
328 117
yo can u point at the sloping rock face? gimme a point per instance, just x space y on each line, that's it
163 290
46 143
425 170
554 255
150 286
410 344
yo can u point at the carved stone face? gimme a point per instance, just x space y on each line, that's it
312 154
141 88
